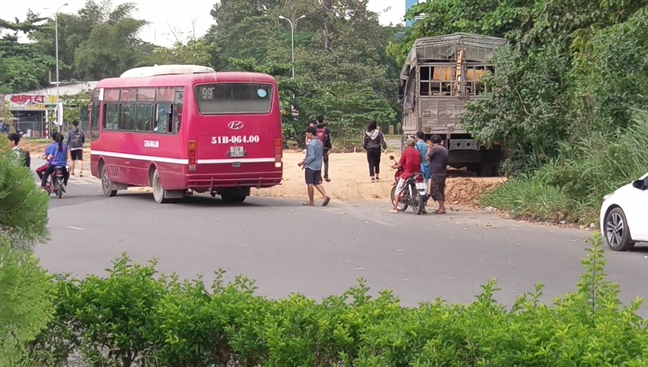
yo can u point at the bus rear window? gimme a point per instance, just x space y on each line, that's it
235 98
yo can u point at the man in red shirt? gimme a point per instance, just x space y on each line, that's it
411 163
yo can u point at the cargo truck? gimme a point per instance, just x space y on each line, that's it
440 76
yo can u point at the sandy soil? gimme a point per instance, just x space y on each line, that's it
350 180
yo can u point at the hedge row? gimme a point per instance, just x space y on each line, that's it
136 317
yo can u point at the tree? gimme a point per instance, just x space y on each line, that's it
112 47
22 66
341 65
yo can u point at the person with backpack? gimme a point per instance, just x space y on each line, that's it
324 135
373 141
19 155
75 141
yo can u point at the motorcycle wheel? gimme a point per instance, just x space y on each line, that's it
402 206
420 199
414 198
59 191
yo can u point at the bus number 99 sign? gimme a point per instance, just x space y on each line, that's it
207 92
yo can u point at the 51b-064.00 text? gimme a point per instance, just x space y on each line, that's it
235 139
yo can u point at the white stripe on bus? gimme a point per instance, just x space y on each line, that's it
181 161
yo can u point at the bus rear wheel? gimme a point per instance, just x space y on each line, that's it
158 191
234 196
106 184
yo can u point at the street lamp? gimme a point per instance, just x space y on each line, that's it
293 25
59 119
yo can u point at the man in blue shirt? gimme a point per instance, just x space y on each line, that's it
422 147
313 167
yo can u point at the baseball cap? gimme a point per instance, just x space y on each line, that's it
410 142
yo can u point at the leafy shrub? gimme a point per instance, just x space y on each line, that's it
23 207
26 294
25 288
572 188
137 317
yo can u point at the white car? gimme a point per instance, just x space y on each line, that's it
624 215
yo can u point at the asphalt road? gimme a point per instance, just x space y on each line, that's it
320 251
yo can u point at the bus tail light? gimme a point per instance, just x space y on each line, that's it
192 155
278 153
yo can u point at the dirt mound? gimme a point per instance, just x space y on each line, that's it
350 181
469 191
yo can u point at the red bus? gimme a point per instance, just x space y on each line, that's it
181 127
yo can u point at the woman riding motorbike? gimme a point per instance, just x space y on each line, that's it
56 156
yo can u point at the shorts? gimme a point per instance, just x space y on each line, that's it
400 187
313 177
76 155
438 186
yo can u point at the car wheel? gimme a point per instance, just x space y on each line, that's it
616 231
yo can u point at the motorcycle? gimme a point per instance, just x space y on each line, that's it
414 194
55 183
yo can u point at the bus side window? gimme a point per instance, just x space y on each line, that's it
111 117
177 111
162 118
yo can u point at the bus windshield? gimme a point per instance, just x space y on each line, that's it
234 98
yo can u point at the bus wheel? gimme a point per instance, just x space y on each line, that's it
106 184
233 197
158 191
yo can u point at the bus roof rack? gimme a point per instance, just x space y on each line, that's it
147 71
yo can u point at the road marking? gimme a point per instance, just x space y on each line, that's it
76 228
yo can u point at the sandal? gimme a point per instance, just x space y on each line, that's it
308 204
80 174
326 201
395 211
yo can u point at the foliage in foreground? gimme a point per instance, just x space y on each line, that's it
26 301
23 207
25 288
572 188
136 317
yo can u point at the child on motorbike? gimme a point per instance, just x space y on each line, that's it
56 156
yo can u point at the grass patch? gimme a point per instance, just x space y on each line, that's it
571 188
535 199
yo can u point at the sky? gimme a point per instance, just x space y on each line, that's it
177 18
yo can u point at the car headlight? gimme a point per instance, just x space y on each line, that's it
607 197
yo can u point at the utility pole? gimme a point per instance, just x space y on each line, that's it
293 25
59 109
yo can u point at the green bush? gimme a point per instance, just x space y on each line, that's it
26 294
25 288
138 317
572 188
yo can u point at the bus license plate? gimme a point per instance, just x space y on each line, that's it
237 152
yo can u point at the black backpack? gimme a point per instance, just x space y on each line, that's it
75 141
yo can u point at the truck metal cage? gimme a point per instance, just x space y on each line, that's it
446 49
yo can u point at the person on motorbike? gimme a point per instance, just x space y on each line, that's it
56 155
411 164
50 150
